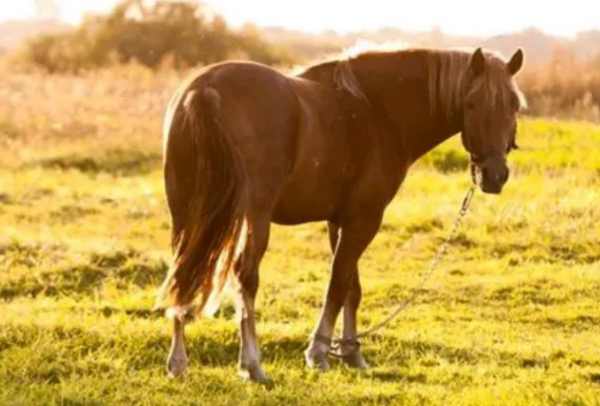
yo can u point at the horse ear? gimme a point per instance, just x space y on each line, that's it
516 62
477 64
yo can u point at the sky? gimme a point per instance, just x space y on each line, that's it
461 17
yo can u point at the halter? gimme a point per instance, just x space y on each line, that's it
480 159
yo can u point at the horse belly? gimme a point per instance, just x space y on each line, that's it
292 212
308 198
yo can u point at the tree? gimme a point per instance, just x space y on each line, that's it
148 34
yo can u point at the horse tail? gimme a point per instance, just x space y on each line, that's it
208 195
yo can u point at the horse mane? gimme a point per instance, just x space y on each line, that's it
344 78
343 74
448 73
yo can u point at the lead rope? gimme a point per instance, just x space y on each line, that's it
441 253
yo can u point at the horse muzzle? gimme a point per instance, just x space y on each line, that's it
494 172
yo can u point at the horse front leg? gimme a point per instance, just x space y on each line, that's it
354 238
350 346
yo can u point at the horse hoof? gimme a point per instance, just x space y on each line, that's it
176 367
317 360
253 373
355 360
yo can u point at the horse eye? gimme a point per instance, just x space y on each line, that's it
470 105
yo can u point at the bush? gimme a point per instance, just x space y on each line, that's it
173 32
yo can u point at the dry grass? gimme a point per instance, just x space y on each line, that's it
565 87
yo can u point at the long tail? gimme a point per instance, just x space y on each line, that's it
208 196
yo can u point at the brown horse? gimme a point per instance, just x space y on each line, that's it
246 146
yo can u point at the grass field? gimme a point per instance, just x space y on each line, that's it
511 318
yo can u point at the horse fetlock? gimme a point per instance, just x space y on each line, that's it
316 357
350 354
177 363
253 372
354 359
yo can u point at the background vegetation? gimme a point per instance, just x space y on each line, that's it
176 33
561 78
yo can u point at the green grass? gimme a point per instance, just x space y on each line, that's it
512 317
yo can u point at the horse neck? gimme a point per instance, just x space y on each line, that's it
397 87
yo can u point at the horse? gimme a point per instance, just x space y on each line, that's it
247 146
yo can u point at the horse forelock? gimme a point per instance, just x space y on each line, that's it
448 74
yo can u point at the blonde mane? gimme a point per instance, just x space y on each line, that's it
343 74
448 70
344 78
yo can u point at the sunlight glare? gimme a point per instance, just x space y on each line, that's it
461 17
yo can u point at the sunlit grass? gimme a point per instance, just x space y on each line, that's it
511 318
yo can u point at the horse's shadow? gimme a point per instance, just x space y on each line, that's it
207 350
396 375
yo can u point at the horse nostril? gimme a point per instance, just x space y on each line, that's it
499 177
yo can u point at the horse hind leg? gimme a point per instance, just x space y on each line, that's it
247 275
177 361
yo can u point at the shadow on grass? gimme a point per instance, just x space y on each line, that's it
114 161
122 268
594 378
